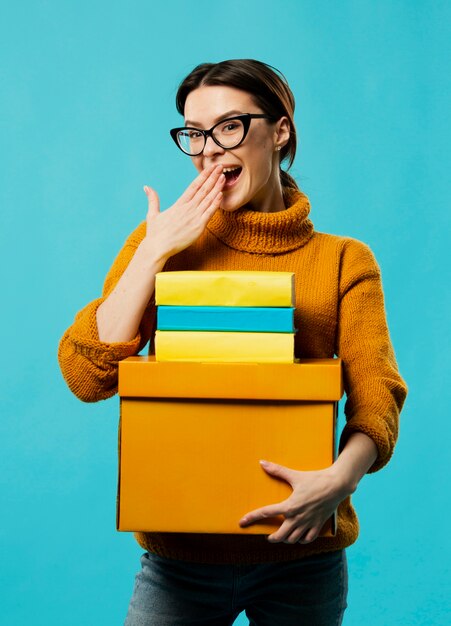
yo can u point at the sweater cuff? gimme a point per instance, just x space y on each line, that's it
85 338
106 352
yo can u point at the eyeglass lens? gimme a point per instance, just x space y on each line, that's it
228 134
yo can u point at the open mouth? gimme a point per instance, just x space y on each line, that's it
231 175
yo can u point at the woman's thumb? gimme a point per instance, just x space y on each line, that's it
152 200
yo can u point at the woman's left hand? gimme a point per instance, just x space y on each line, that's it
316 495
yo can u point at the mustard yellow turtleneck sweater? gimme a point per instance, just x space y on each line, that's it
339 311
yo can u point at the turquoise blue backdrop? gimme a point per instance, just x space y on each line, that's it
87 98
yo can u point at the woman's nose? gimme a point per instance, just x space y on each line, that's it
212 148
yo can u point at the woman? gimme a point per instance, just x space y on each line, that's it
243 212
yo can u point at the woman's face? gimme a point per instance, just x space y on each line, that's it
258 184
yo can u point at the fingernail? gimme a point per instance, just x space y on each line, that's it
262 462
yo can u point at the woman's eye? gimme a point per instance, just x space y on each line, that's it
194 134
229 127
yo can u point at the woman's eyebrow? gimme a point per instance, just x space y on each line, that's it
218 119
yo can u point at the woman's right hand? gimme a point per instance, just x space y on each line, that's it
176 228
168 232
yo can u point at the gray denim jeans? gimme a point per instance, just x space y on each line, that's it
306 592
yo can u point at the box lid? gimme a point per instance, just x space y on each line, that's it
305 379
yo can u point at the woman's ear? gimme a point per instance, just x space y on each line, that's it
282 131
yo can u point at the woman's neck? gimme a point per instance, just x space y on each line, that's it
269 199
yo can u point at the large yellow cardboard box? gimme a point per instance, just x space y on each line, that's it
191 436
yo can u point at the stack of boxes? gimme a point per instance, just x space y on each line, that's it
222 391
229 316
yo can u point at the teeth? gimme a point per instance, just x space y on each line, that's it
230 169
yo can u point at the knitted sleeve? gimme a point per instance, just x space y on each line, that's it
374 388
90 366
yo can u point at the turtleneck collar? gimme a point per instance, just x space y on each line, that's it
265 233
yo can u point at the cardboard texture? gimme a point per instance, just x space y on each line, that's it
307 379
189 445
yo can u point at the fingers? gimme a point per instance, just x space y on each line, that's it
211 208
217 177
283 531
212 195
153 200
302 535
263 513
198 182
311 535
295 531
291 532
295 536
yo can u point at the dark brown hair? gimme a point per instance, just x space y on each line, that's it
267 86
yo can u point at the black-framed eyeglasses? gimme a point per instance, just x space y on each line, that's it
228 133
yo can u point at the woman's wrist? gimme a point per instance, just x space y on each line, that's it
356 458
150 256
119 315
343 485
